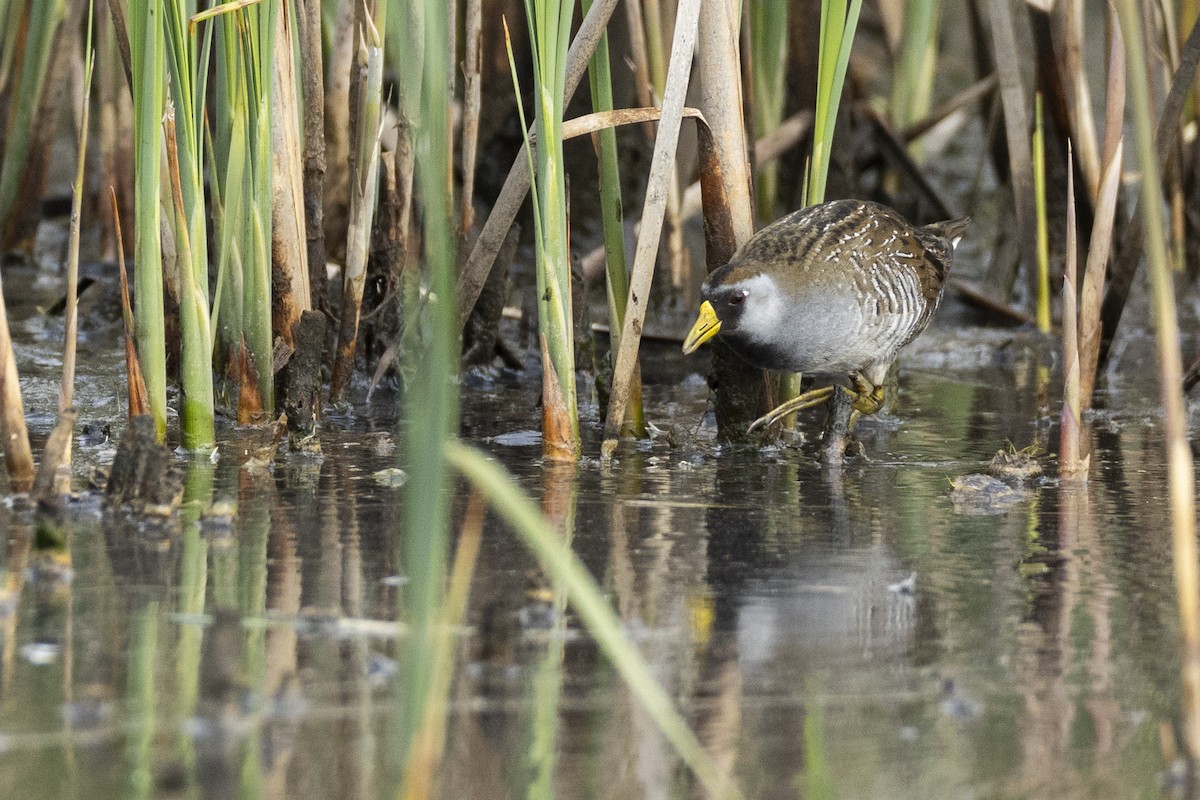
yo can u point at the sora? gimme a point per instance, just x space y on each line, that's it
834 288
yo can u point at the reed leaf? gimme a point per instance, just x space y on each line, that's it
587 599
839 21
1180 475
430 403
912 78
768 48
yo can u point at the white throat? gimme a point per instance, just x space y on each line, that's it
765 312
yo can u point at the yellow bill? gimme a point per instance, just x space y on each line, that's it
706 326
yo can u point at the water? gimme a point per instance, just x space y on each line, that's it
853 633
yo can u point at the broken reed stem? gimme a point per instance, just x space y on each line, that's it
1181 480
1068 449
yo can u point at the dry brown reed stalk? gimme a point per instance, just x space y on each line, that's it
54 474
1166 138
23 217
1069 22
641 60
977 91
66 393
646 49
742 393
1100 245
472 93
135 384
516 185
363 194
337 127
653 211
721 105
18 457
114 129
1016 129
308 16
1069 462
290 293
1180 475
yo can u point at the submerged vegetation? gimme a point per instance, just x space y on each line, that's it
316 205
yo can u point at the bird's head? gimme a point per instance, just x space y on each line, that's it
736 304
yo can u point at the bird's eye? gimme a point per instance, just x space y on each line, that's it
737 299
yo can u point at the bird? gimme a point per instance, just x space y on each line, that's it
835 288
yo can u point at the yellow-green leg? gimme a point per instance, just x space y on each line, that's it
813 397
867 400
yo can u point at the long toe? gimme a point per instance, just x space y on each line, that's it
807 400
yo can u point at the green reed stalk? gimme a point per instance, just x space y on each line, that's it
430 407
838 24
588 601
141 700
254 539
1043 229
42 20
839 20
768 46
188 67
242 153
260 47
228 141
147 46
655 52
612 217
193 586
66 393
549 35
912 79
1181 479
